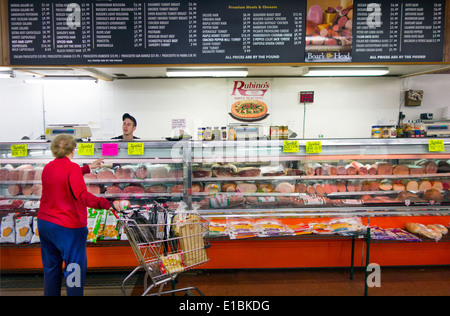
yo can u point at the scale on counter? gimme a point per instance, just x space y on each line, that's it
77 131
437 128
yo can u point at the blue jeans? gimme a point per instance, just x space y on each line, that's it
60 244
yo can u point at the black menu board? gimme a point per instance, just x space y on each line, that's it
152 32
170 32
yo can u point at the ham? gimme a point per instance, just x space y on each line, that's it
351 186
437 185
249 172
90 176
374 186
105 174
309 169
358 186
4 172
125 172
223 170
383 168
400 170
310 190
319 189
113 189
273 171
412 186
247 188
133 189
443 166
294 172
141 172
158 172
329 169
318 169
175 173
360 168
14 190
424 185
341 171
351 170
398 186
156 188
176 188
385 185
197 187
229 187
93 189
201 173
300 188
433 195
285 187
429 166
26 189
341 186
371 170
414 170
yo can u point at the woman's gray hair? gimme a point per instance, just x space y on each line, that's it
62 145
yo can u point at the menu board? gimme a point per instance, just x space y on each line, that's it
70 32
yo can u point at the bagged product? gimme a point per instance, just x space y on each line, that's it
111 229
35 239
172 264
101 227
23 229
377 233
300 229
217 228
347 226
94 218
400 234
240 229
269 228
8 229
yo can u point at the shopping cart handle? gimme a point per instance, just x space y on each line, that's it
207 245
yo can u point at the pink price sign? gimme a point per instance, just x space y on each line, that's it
110 149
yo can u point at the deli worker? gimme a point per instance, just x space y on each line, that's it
128 127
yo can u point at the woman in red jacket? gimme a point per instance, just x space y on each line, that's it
62 218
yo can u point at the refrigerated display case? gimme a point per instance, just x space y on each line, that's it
381 182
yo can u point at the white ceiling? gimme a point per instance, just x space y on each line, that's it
126 72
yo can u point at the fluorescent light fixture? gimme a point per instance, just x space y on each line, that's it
59 79
347 72
206 72
6 74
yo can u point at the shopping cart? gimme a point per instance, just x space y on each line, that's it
171 244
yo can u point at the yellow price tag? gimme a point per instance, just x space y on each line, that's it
436 145
19 150
85 149
290 146
135 149
314 147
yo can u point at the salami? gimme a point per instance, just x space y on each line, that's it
4 172
351 170
201 173
300 188
94 189
329 169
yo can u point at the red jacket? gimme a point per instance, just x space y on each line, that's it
65 198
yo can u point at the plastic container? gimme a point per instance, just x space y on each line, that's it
376 131
208 134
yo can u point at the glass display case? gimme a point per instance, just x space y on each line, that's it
362 177
353 177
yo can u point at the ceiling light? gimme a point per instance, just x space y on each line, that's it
208 72
347 72
6 74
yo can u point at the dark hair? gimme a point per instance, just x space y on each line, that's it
128 116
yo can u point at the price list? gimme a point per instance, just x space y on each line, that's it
149 32
174 32
399 31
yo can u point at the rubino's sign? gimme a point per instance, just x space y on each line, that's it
249 99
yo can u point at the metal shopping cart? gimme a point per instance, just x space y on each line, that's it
169 244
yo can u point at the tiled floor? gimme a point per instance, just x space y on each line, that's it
410 281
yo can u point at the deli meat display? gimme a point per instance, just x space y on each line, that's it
252 189
92 32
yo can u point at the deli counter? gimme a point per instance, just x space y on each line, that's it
382 183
